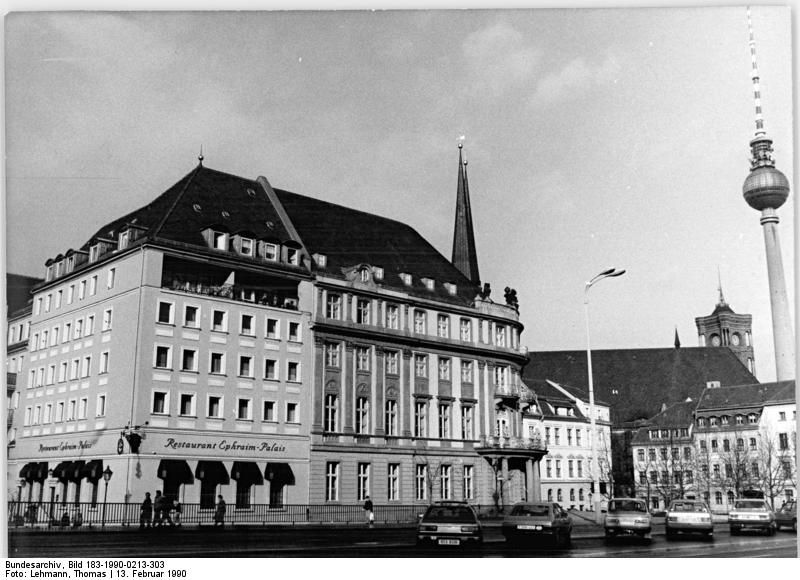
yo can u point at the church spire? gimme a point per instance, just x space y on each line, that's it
465 258
719 287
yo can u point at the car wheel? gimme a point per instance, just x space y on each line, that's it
794 524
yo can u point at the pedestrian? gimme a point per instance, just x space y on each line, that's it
176 505
146 513
219 513
158 508
370 514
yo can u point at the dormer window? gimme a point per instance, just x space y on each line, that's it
49 272
59 269
321 260
270 252
70 264
247 246
293 256
377 273
364 274
94 253
428 283
451 288
219 240
124 240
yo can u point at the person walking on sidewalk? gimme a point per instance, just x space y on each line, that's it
176 505
146 512
369 512
219 513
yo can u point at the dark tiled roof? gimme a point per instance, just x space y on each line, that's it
678 415
745 396
18 291
636 382
349 237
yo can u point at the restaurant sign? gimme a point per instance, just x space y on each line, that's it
227 445
67 446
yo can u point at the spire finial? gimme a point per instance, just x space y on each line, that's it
719 287
200 157
677 339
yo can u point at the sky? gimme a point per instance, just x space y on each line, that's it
595 139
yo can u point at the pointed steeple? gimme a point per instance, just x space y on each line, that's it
721 296
677 339
465 257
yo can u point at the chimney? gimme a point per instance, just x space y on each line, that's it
712 385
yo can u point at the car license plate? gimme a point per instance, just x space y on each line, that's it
528 527
449 542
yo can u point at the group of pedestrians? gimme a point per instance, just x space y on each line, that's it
162 508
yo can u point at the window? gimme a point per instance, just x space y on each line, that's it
291 413
62 370
557 434
714 445
329 420
578 437
569 437
67 332
726 445
444 369
467 414
331 481
82 290
446 484
112 274
362 311
247 246
421 365
391 417
443 325
547 435
752 419
219 240
420 419
214 409
754 469
468 483
500 335
419 321
558 468
59 412
217 364
162 359
334 306
466 371
165 312
244 410
362 415
74 369
191 316
332 354
294 331
47 302
89 325
270 252
220 321
783 441
86 367
268 411
739 419
70 293
740 444
362 358
186 406
712 421
51 374
272 328
292 256
93 285
60 295
421 482
107 319
363 481
782 416
245 366
500 377
466 329
189 360
640 455
392 316
160 404
725 420
752 443
393 482
703 445
293 372
444 421
247 327
48 411
715 471
392 362
580 468
78 328
270 369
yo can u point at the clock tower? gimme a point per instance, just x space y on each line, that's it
725 328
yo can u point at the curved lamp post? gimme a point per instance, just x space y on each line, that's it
106 477
611 273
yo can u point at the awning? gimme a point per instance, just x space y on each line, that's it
39 471
176 470
75 471
25 472
279 472
213 471
93 470
62 469
247 472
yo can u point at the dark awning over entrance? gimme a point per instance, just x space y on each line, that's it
279 473
69 470
61 469
176 470
93 470
34 471
213 471
247 472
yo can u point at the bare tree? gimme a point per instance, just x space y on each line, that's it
774 459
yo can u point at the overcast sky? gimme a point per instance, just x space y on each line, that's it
595 139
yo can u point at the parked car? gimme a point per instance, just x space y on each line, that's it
687 516
449 523
530 520
627 517
787 516
751 514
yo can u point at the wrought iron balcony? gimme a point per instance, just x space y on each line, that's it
512 443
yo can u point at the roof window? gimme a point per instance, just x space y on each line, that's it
406 278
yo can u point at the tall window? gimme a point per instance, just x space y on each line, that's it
332 354
466 371
270 369
446 483
466 329
219 321
500 335
107 314
162 357
363 481
217 363
362 415
466 422
443 325
783 441
391 417
329 420
419 321
444 421
392 360
363 311
392 316
165 312
421 365
500 376
444 369
362 358
191 316
334 306
469 482
189 360
393 482
293 372
247 327
245 366
332 481
421 482
420 419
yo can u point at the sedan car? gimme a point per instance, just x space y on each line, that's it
627 517
751 514
538 520
449 524
687 516
787 515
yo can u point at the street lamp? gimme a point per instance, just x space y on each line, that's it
106 477
611 273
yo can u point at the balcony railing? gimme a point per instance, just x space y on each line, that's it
521 443
263 296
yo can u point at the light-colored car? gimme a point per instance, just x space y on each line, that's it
449 523
543 519
787 516
687 516
627 517
751 514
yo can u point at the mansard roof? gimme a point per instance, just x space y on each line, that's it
747 396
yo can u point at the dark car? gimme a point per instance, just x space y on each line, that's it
530 520
627 517
449 524
751 514
787 515
687 516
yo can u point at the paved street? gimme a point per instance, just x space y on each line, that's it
379 542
